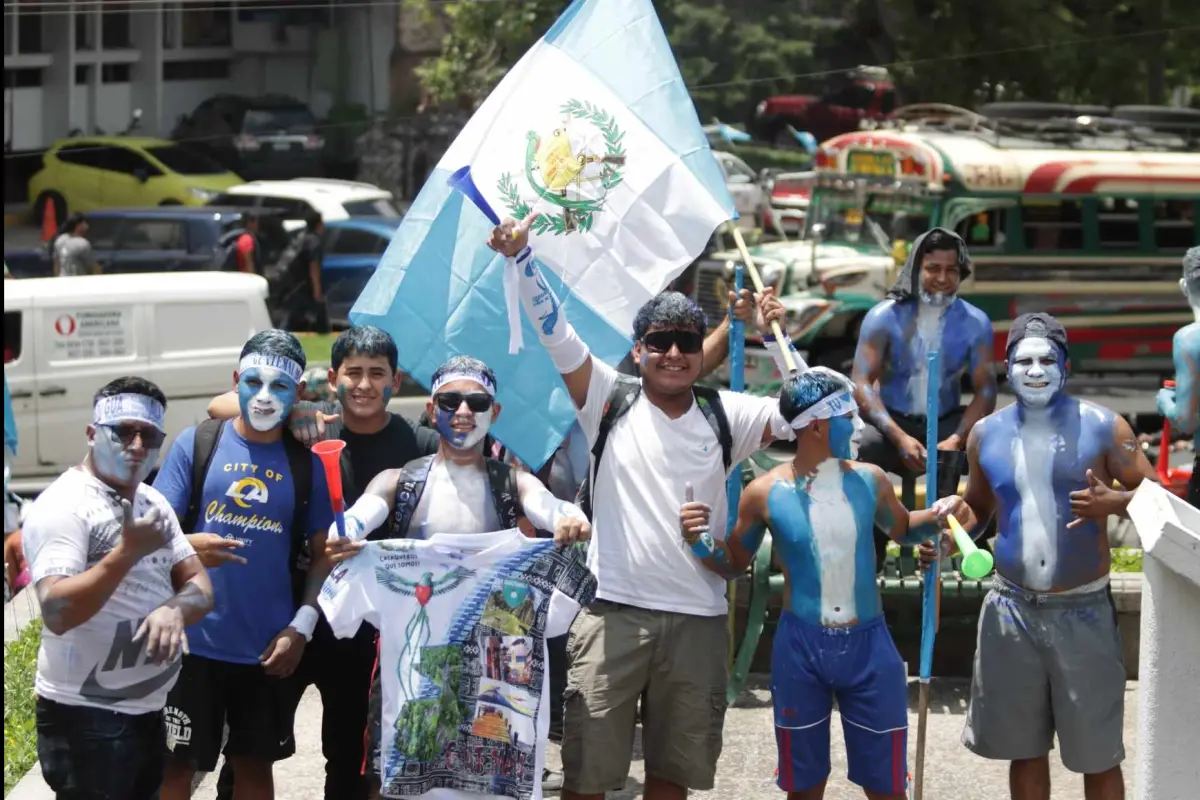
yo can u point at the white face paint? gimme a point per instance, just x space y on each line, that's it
1035 372
113 462
266 395
856 437
483 421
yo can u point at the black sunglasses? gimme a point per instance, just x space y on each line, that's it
126 433
688 342
478 402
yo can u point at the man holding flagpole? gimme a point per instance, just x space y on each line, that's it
658 627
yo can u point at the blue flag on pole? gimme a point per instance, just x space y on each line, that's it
594 129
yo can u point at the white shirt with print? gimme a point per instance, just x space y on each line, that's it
637 551
70 528
463 620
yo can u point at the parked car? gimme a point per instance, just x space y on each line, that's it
162 239
91 172
273 136
66 337
353 248
296 199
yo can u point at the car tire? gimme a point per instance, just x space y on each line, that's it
60 208
170 203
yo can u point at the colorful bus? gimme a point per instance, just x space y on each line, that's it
1087 218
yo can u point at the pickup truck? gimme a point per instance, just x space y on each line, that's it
867 94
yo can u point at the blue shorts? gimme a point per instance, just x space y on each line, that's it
810 665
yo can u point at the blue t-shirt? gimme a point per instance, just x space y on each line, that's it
248 496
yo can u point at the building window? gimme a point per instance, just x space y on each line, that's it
207 26
212 70
115 26
85 27
22 78
29 28
83 74
115 73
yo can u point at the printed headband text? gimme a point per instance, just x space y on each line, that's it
128 408
835 405
282 363
466 375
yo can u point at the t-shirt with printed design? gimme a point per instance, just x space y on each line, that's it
463 621
71 526
248 496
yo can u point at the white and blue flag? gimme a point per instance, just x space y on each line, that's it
594 129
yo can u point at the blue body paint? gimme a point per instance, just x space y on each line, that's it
265 396
443 420
841 431
1038 458
549 320
789 506
1182 405
966 338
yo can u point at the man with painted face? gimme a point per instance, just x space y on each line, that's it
822 509
657 634
1181 405
1049 654
118 584
456 491
242 653
365 374
922 313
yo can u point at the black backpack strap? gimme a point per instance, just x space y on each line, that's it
409 486
502 479
620 399
208 434
300 465
709 400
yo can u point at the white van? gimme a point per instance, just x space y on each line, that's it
64 338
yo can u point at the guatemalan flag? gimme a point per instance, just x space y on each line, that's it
594 129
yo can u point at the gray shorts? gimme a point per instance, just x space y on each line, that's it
1046 664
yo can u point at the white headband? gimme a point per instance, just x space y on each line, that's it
835 405
282 363
466 375
128 407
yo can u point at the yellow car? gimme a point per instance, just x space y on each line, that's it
88 172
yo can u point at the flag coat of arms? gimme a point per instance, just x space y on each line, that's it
594 130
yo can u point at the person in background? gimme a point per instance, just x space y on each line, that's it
246 246
71 250
16 575
306 304
118 583
1181 405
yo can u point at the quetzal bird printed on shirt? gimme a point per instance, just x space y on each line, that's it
416 633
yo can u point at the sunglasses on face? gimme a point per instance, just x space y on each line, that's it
151 437
478 402
688 342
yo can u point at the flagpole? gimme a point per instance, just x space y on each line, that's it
931 594
733 485
784 344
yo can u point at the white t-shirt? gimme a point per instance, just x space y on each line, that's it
637 551
462 623
70 528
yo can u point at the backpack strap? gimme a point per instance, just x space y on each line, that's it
620 399
300 466
208 434
709 400
502 480
409 486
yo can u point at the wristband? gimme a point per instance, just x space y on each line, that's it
305 622
367 514
773 347
542 306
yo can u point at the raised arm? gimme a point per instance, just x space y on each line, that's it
983 384
900 524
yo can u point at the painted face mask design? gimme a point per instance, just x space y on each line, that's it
937 299
113 461
462 440
845 433
265 395
1035 372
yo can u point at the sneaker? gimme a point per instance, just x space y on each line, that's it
551 781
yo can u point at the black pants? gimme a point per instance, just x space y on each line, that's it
306 314
341 671
877 449
92 754
556 668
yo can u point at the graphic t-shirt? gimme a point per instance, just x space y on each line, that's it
248 496
463 620
71 526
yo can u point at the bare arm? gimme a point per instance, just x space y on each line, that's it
900 524
224 406
716 348
193 590
731 557
983 382
979 498
866 372
68 602
314 276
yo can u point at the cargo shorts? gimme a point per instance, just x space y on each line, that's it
676 664
1047 664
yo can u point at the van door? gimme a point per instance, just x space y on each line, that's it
79 348
19 371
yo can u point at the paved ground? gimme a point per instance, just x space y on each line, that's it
748 761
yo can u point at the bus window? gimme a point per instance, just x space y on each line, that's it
985 230
1174 225
1118 227
1052 224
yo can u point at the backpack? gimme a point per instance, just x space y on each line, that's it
208 434
624 392
502 480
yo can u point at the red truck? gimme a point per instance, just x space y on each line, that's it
864 93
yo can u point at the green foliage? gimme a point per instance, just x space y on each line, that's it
20 727
1126 559
423 727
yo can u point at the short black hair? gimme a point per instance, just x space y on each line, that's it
671 310
365 340
802 391
941 240
1191 272
313 220
464 364
275 342
130 384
